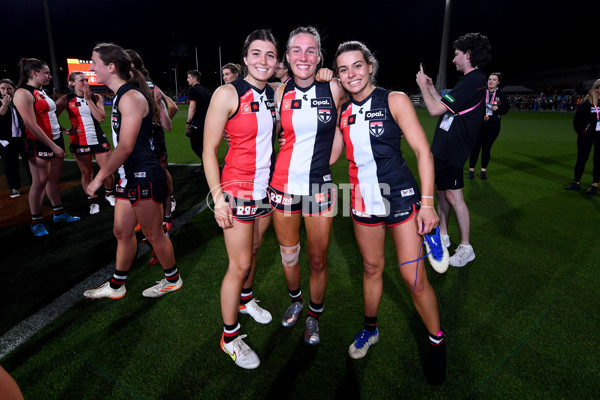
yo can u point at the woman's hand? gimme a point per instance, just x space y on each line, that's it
223 214
87 93
427 220
91 189
58 152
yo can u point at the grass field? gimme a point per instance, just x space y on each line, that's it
520 320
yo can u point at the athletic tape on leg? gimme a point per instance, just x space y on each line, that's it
290 255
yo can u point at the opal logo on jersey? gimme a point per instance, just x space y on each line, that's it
321 102
408 192
375 114
270 104
324 115
376 128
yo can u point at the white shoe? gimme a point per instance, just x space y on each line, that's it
162 287
240 352
94 208
259 314
464 254
110 199
362 341
105 290
446 240
173 205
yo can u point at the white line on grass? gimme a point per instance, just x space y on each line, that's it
24 330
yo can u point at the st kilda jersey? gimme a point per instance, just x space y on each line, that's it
142 165
45 113
88 129
249 159
377 169
308 118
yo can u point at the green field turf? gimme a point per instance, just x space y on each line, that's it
520 319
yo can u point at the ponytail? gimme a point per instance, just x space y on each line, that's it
27 66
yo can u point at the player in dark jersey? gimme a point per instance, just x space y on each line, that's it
142 184
86 112
45 145
245 108
301 185
385 194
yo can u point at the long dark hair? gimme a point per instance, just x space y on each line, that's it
138 63
27 66
259 34
112 53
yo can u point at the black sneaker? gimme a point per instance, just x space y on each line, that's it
435 367
592 190
573 186
482 175
470 175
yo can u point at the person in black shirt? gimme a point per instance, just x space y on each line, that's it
461 113
199 100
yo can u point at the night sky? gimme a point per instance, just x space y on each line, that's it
527 37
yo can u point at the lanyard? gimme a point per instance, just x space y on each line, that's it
597 113
487 96
470 109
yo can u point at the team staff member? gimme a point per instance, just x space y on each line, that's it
372 124
45 145
496 104
12 141
587 125
199 100
461 113
142 186
244 108
301 184
86 112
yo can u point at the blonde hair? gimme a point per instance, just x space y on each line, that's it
592 95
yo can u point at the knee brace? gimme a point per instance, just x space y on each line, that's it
290 255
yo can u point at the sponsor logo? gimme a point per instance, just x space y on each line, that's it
407 192
45 154
324 115
105 145
115 122
449 98
85 149
42 97
132 193
304 97
254 106
360 111
375 114
296 104
281 199
270 104
139 174
352 119
77 104
361 214
320 197
376 128
321 102
246 210
402 213
145 192
120 189
327 178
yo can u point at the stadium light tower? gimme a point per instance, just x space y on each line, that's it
441 78
53 63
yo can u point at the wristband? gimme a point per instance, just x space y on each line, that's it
426 207
188 123
427 197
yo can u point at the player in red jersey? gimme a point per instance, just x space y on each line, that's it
245 109
86 112
45 145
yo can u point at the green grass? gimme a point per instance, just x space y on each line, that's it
521 319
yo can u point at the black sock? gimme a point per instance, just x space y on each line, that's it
171 274
315 310
370 323
435 369
295 295
92 200
246 296
230 332
119 278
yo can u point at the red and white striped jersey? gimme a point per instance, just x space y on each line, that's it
88 129
45 113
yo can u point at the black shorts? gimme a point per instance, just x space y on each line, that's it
320 200
38 149
396 217
448 177
144 191
90 148
248 210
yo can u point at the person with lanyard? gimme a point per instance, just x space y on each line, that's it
587 126
461 113
44 143
372 125
142 184
86 112
302 184
496 104
246 110
12 141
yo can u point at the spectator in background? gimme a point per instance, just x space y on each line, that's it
587 125
496 104
12 140
231 72
282 72
199 100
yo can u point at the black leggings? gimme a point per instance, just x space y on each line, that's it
584 147
485 139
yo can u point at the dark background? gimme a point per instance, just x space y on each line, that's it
536 44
